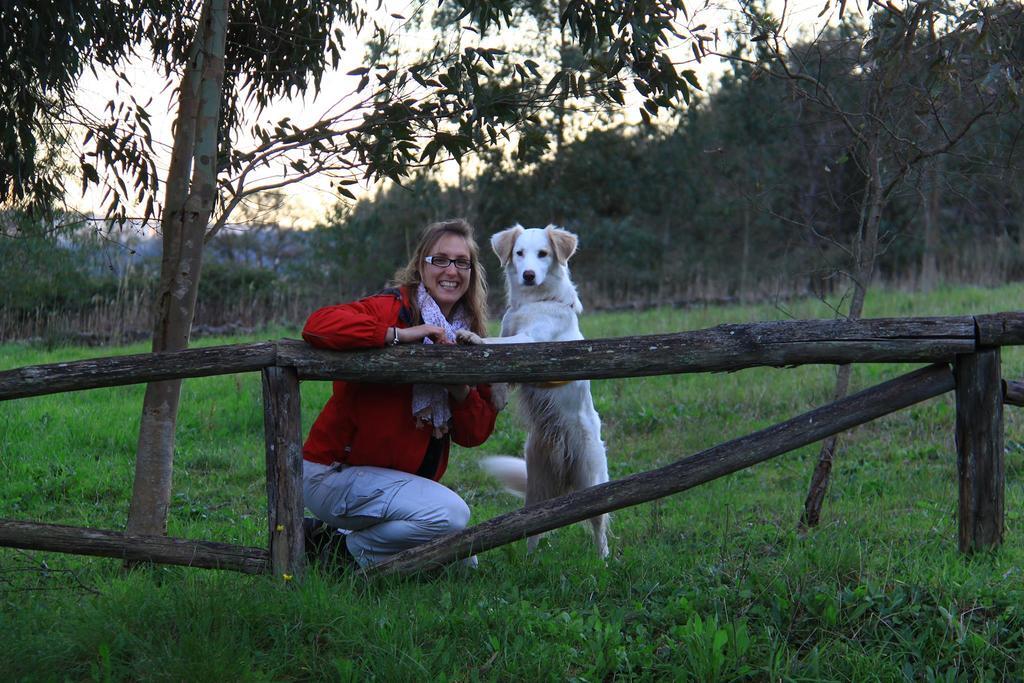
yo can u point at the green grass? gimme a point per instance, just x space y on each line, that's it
712 584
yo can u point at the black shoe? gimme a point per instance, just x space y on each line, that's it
315 535
334 553
324 545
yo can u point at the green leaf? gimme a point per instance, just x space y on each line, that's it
89 174
720 640
691 77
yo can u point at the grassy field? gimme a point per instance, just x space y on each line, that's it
712 584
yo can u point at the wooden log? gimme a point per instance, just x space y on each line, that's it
283 432
1001 329
722 348
979 447
698 469
1013 393
54 378
102 543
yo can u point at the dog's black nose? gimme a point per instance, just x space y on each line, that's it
529 276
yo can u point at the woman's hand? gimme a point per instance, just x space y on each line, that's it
411 335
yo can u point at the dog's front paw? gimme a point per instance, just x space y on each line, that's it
468 337
499 396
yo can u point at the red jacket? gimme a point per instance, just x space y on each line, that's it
372 424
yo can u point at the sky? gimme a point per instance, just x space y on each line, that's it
310 201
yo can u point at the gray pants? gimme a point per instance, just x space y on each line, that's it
383 511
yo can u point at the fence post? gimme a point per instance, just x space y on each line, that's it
979 446
283 430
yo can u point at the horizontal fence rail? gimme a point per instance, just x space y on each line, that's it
1013 392
102 543
95 373
716 349
722 348
1000 329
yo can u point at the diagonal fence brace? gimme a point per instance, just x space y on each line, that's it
732 456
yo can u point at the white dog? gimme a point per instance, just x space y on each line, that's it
564 451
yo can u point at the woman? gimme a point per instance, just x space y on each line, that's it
374 456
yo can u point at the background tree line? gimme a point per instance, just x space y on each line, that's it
750 193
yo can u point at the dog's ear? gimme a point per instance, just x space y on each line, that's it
563 243
503 242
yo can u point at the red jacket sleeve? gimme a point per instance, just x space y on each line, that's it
473 419
357 325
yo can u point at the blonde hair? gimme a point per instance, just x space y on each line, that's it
474 301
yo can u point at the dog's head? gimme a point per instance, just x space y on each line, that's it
530 255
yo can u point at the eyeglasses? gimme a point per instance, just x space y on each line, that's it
444 262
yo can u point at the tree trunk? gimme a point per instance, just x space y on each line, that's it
865 253
929 219
187 208
744 293
930 204
560 111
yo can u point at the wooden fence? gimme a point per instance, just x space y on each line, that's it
963 353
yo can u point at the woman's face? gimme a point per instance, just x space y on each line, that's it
447 285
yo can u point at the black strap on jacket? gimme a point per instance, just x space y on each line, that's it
404 313
432 459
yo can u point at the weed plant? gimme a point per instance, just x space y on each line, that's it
712 584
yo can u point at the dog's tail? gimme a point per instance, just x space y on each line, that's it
508 470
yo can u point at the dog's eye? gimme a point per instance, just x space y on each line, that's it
519 253
542 253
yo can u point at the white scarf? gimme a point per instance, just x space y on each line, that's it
430 401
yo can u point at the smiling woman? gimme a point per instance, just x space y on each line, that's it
374 456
